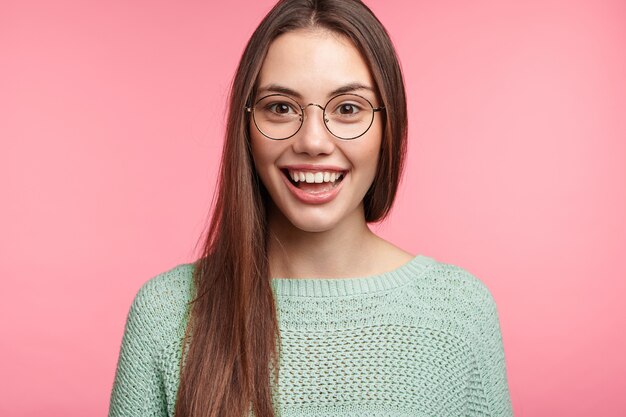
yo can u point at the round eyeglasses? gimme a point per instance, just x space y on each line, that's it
346 116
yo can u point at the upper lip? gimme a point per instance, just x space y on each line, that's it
313 168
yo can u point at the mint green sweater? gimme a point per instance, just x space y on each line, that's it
422 340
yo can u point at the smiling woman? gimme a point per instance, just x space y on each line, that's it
296 307
313 64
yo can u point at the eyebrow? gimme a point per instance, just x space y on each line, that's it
348 88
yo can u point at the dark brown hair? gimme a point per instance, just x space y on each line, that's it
229 353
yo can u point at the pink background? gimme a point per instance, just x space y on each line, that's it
111 119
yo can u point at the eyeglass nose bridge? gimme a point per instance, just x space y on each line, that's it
316 105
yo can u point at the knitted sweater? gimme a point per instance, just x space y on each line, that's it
422 340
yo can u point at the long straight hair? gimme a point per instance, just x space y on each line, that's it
229 360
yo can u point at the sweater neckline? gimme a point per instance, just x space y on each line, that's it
337 287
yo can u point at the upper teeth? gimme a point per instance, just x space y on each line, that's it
315 177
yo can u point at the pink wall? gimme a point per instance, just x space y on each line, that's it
110 126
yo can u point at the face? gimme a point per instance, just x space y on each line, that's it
312 67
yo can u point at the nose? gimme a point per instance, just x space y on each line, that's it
313 138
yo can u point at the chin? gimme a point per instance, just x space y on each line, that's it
312 224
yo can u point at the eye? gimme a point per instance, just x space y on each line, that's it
348 108
280 108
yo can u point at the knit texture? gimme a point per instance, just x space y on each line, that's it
422 340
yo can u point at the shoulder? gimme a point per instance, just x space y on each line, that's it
171 286
451 293
457 282
160 305
451 299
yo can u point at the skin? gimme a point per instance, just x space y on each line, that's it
314 63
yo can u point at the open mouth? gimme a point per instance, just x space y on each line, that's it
314 180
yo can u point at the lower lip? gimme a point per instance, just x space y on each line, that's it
319 198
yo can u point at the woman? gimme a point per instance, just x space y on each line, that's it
296 307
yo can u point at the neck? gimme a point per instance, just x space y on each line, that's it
343 251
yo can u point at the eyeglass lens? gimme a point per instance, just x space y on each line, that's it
346 116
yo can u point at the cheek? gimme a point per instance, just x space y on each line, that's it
265 154
371 153
372 159
258 148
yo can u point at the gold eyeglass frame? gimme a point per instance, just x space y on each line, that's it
302 114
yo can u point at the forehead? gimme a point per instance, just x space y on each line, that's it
313 63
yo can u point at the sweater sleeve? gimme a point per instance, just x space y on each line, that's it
138 387
493 366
